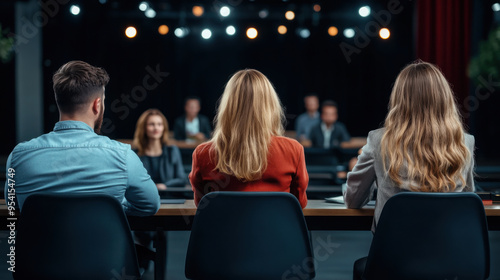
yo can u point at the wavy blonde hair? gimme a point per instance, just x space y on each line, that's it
141 138
248 116
423 145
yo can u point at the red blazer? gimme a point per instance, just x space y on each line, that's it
286 172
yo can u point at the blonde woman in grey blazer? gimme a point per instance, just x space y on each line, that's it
422 146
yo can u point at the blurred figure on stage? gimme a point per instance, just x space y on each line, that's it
308 119
329 133
192 126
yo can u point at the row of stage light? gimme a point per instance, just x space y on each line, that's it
251 32
225 11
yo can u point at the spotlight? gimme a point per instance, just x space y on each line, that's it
289 15
496 7
304 33
143 6
130 32
206 33
103 1
150 13
384 33
75 10
333 31
317 8
349 32
364 11
230 30
181 32
163 29
263 13
282 29
198 11
252 33
225 11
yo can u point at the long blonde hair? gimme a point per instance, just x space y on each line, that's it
248 115
423 145
141 138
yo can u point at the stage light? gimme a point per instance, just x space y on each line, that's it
304 33
75 10
143 6
384 33
282 29
289 15
225 11
364 11
181 32
333 31
317 8
150 13
103 1
349 32
263 13
230 30
206 33
130 32
252 33
496 7
163 29
198 11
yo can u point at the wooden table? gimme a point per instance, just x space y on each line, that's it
320 215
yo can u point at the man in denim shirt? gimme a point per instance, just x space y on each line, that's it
73 158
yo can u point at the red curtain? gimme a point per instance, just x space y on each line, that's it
443 38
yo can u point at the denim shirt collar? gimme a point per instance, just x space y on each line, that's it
64 125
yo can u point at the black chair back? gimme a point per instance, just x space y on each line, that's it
249 235
430 236
63 236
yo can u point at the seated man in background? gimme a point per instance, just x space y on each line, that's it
308 119
192 126
73 158
329 133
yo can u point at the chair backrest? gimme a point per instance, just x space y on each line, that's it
63 236
430 236
249 235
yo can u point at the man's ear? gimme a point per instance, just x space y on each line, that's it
96 106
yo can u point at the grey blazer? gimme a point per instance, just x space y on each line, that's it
369 174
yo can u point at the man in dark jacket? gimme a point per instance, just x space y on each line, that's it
329 133
192 125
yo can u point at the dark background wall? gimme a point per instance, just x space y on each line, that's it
202 67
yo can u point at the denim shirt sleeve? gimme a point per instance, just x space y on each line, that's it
141 196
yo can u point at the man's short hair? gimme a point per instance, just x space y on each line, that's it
311 94
192 97
77 83
329 103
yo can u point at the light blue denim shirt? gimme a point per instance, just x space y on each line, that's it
74 159
305 123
